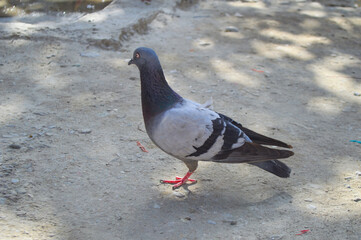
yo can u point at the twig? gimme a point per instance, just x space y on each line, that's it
141 147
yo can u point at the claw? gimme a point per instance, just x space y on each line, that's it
180 181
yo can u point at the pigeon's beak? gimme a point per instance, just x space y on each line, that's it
131 61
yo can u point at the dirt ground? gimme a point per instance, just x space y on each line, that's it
70 116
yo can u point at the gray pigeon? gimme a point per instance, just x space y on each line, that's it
192 132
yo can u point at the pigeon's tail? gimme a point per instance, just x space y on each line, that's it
276 167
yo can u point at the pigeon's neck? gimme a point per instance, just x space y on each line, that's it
157 95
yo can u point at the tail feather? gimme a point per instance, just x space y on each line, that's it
276 167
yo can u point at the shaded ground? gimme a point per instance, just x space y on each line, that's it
72 105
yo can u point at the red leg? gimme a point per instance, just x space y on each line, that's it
189 179
180 181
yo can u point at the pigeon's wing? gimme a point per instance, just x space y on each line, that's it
248 151
254 151
256 137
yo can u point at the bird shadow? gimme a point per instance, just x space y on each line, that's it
204 206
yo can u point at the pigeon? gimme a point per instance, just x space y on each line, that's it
193 132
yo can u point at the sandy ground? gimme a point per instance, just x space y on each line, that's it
70 117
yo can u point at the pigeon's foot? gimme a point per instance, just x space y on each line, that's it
180 181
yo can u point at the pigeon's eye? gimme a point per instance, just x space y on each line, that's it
137 55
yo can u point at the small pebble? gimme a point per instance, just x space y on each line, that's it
310 206
308 200
14 146
156 206
231 29
276 237
7 136
358 173
357 199
211 222
231 222
348 178
13 192
15 180
186 219
204 44
357 94
89 54
238 15
85 131
40 113
21 190
21 214
2 201
179 194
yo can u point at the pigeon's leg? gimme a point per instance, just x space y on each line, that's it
189 179
192 165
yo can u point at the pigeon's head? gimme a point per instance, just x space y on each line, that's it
144 56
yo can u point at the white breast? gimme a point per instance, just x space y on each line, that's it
186 125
